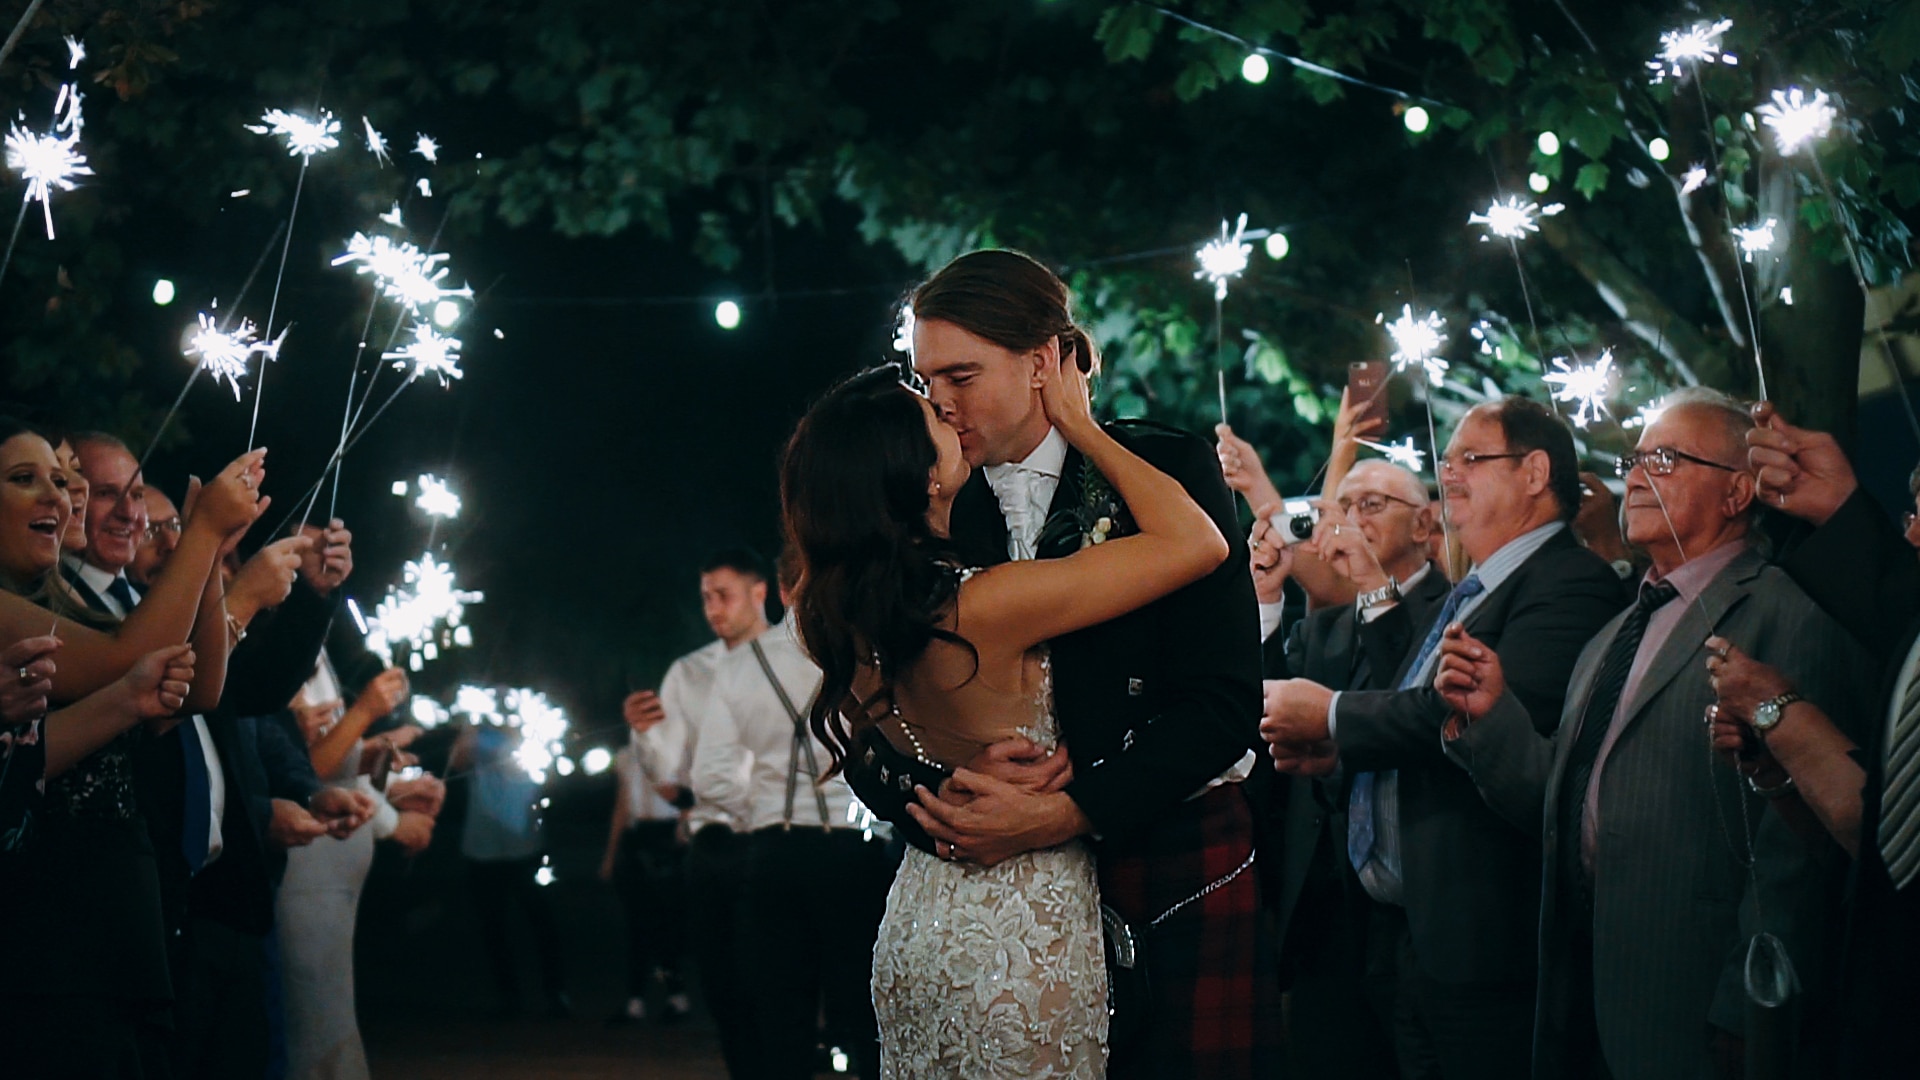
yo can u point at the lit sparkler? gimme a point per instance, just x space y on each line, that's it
49 161
392 217
428 352
426 188
76 52
305 137
1514 218
377 143
1586 384
1694 180
420 613
1756 239
1224 257
426 148
1697 44
224 353
542 727
436 499
427 713
1417 342
1797 119
403 272
477 703
1402 453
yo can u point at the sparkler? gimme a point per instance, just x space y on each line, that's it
1756 239
427 713
429 351
436 499
392 217
377 143
1694 180
1513 219
1697 44
422 611
426 188
426 148
1416 342
47 161
224 353
402 271
305 137
1797 119
477 704
76 52
542 727
1224 257
1586 384
1402 453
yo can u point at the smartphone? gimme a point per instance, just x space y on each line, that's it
1367 382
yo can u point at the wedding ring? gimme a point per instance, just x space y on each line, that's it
246 481
25 676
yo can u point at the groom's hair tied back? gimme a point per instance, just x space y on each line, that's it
875 579
1008 298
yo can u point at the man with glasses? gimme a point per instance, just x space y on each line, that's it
1378 538
162 535
1661 866
1420 838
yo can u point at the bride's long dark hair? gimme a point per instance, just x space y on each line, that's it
875 580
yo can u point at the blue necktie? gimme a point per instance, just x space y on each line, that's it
1361 804
196 830
122 592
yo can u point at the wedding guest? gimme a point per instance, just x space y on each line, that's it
23 748
1646 924
645 860
73 538
817 878
1420 837
1343 988
504 843
666 731
162 535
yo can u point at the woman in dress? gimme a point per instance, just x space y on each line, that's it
980 971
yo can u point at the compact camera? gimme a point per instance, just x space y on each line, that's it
1295 521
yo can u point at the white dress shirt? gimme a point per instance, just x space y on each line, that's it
643 801
666 751
747 724
1026 490
100 581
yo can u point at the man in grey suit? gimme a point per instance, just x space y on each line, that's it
1661 867
1419 836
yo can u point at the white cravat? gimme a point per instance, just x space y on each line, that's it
1025 490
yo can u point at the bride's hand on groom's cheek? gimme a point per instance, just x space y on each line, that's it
1022 763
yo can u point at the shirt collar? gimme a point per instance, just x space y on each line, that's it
1047 459
97 579
1694 575
1407 583
1502 563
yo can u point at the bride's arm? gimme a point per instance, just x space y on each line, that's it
1018 605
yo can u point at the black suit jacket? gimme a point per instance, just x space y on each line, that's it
1334 648
1471 879
1153 704
1861 571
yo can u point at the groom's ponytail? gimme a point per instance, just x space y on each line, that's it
1007 298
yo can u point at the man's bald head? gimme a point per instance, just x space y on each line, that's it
1389 504
1386 477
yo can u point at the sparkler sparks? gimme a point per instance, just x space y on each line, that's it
404 272
392 217
1756 239
903 331
542 727
305 137
426 148
1513 219
477 703
224 353
436 499
1224 257
428 352
1797 119
423 611
1586 384
1417 341
76 52
47 162
1401 453
1694 180
377 143
1697 44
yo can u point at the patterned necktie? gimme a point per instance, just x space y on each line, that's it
1900 792
1595 721
1015 492
1360 803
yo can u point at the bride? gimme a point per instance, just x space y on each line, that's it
979 971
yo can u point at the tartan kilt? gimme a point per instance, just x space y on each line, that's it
1215 1008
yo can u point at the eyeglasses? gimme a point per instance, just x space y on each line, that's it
169 527
1660 461
1371 504
1461 462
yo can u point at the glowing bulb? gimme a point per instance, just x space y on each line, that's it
400 488
446 313
563 766
1278 245
596 761
543 876
163 292
1538 183
1548 142
1254 69
1416 119
727 314
1658 149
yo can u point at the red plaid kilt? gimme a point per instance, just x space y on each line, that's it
1215 1011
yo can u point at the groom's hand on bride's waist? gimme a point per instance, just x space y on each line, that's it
1022 763
995 820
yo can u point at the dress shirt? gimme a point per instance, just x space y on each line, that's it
1690 578
1271 614
747 724
1026 491
1381 876
643 800
666 751
101 582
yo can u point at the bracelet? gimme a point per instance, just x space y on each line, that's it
1774 792
235 632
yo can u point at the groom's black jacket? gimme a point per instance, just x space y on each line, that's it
1153 704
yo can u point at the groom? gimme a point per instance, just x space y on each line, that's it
1160 712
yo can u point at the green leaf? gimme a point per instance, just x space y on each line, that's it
1591 180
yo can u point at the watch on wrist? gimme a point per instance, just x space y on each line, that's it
1767 714
1385 594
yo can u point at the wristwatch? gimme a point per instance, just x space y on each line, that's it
1385 594
1767 714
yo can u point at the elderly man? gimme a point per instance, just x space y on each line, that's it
1378 540
1648 906
1419 836
157 542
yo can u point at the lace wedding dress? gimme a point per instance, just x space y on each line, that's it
994 971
